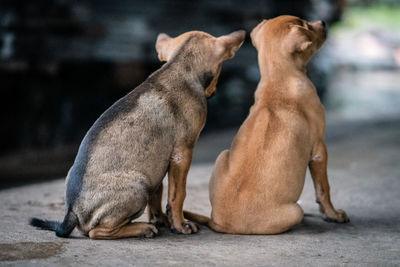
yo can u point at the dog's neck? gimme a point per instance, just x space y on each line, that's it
278 76
271 67
183 72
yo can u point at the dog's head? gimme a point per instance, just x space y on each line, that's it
200 53
289 35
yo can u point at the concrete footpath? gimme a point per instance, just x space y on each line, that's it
365 181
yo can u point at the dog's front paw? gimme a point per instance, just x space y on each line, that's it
186 227
339 216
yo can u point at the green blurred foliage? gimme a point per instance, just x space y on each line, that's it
374 15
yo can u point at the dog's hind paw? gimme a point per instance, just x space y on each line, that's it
187 228
150 231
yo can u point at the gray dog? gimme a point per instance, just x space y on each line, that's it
151 131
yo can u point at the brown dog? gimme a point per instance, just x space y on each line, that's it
255 185
151 131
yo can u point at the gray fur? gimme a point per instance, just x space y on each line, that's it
126 153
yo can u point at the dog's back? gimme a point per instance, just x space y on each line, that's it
132 134
255 185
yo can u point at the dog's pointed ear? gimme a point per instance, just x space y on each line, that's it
302 39
303 46
230 43
255 31
162 46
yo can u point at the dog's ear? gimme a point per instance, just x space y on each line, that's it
302 38
163 46
228 44
303 46
254 32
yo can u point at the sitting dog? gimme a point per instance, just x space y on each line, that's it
255 185
151 131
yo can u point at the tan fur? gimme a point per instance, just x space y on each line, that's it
255 185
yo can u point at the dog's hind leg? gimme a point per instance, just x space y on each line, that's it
154 210
128 229
277 220
286 217
112 214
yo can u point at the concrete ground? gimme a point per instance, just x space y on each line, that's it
364 175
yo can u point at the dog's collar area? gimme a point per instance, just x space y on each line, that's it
206 78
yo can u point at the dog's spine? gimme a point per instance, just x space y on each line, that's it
63 229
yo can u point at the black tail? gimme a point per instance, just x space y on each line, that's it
63 229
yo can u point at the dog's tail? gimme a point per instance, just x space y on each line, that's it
202 220
197 218
63 229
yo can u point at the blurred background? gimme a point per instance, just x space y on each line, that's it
64 62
